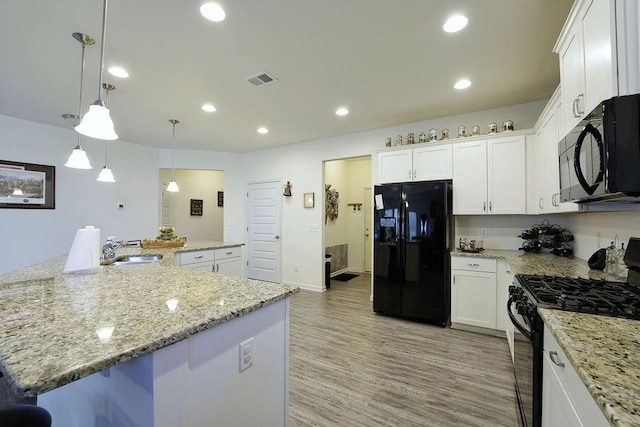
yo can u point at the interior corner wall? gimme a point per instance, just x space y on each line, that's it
336 175
202 185
35 235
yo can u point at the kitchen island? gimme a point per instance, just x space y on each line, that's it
604 351
148 344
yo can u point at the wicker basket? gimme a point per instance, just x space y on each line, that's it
156 244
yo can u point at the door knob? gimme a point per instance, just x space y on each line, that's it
277 236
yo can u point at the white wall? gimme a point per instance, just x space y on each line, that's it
196 184
34 235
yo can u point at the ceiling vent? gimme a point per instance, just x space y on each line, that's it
260 79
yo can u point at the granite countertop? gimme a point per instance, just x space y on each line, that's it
604 351
51 322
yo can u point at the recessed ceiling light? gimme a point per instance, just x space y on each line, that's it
118 72
455 23
342 111
209 108
263 130
212 12
462 84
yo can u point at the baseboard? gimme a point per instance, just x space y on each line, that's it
305 286
344 270
479 330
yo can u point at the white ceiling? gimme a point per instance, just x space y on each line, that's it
389 62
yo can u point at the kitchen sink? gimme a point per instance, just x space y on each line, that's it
133 259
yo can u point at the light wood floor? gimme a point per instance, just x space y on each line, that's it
352 367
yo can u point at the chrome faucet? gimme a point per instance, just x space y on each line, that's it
109 248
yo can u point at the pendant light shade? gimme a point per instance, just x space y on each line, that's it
97 122
106 175
78 159
173 185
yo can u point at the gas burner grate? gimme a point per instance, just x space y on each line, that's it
584 295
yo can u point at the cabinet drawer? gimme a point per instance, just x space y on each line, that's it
473 264
224 253
196 256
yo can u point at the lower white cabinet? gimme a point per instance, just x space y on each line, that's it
227 261
565 399
473 291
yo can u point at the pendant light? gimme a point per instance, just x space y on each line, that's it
105 173
78 158
97 122
173 185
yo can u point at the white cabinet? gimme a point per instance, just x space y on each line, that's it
489 176
565 399
473 292
596 57
424 163
227 261
547 178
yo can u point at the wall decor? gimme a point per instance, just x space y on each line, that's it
287 189
309 200
196 207
27 185
220 198
332 200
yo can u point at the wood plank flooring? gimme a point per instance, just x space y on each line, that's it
352 367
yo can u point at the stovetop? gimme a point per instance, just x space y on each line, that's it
584 295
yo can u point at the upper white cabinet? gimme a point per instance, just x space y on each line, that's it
546 159
489 176
598 50
423 163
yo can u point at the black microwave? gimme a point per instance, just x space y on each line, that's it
599 159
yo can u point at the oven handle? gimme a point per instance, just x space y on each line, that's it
518 326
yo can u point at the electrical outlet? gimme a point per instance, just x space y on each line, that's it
484 232
246 354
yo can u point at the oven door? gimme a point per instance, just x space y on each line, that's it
523 364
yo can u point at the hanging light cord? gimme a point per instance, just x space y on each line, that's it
81 81
173 151
104 35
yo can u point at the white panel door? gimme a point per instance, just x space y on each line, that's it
470 178
506 176
264 203
432 163
395 166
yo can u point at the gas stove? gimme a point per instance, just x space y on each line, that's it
583 295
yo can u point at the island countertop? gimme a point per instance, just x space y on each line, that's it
57 327
604 351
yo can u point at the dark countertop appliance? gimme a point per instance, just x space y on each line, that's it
413 235
598 297
599 159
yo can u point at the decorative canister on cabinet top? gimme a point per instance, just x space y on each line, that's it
433 135
410 138
422 137
398 140
475 131
387 142
492 128
507 126
462 131
445 134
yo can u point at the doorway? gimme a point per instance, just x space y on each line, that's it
344 232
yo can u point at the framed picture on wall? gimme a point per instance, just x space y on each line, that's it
221 198
27 185
196 207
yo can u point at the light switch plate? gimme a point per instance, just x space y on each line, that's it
246 354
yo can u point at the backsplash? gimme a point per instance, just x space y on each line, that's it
591 230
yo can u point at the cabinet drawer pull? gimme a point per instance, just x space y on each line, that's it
580 111
490 208
554 358
198 257
484 206
473 265
540 203
229 253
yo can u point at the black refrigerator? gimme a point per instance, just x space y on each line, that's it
413 235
